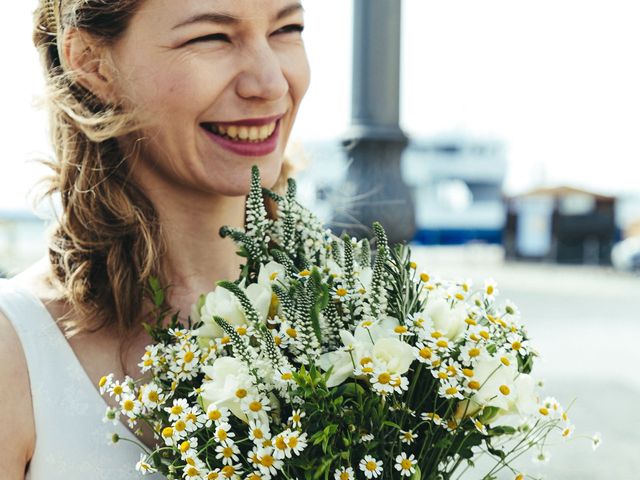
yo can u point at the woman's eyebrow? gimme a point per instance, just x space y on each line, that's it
229 19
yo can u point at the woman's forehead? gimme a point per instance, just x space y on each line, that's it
186 12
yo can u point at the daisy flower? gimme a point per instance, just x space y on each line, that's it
188 447
297 442
223 432
490 289
450 389
143 466
176 410
281 445
216 414
105 383
258 431
227 452
371 467
267 463
130 405
295 418
407 437
151 395
406 465
111 415
343 473
254 405
381 381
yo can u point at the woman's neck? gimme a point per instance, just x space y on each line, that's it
196 257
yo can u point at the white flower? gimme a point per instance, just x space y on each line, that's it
221 303
188 447
267 462
151 395
105 383
281 447
450 321
490 289
130 405
381 381
271 273
497 384
143 466
230 383
343 473
394 354
407 437
111 415
371 467
297 441
406 465
541 457
295 418
176 410
258 431
449 390
216 414
228 453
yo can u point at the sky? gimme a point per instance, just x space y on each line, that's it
557 81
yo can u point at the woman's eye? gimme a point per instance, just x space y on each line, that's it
214 37
294 28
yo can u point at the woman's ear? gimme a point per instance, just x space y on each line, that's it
88 62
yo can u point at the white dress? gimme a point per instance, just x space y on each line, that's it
72 442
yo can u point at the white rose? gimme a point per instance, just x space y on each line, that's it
526 399
394 354
341 363
498 384
228 375
448 321
260 297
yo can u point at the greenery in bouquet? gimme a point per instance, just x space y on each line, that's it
329 359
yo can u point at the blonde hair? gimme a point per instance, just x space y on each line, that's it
108 240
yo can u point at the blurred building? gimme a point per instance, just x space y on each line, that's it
561 224
22 240
456 184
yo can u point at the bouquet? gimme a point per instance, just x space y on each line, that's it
329 359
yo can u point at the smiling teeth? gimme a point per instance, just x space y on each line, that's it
243 133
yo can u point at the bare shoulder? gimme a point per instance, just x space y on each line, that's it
17 435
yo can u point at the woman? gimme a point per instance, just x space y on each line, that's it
158 110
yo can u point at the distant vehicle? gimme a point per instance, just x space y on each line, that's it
626 255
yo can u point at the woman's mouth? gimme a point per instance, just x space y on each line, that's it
246 140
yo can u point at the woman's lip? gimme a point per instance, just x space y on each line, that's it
245 148
257 122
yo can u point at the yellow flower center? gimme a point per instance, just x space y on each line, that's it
280 443
426 352
180 426
214 415
424 277
341 292
102 382
228 471
305 273
442 343
451 391
406 464
505 361
293 442
167 432
490 290
484 334
504 390
273 276
372 466
474 352
117 390
241 393
277 340
467 372
255 406
221 434
365 360
544 411
413 265
188 356
257 433
241 330
344 476
227 452
176 409
443 375
516 345
266 460
192 472
401 329
184 446
224 340
287 376
128 405
292 332
459 296
436 335
384 378
153 396
471 321
473 385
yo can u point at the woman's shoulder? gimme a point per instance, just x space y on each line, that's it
18 432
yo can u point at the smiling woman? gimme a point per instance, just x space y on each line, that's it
158 111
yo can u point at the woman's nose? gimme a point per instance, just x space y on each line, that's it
262 76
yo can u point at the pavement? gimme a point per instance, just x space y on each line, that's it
585 322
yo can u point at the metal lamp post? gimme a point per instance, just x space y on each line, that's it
374 189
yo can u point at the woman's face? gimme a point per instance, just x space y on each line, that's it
218 83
